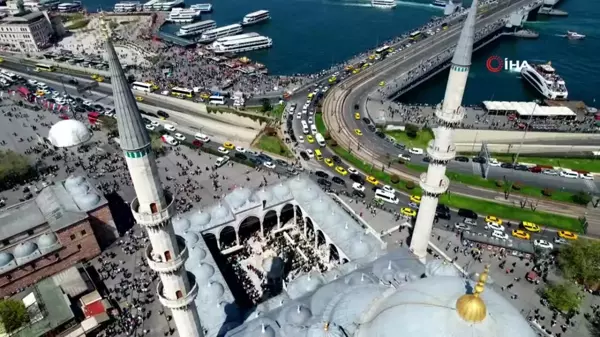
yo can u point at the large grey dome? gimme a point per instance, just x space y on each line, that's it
25 249
297 315
204 272
297 184
73 181
238 197
180 225
87 201
5 258
263 195
304 284
325 329
200 218
78 190
220 214
441 267
197 254
68 133
281 191
360 248
211 292
47 240
263 330
308 194
191 238
356 279
345 232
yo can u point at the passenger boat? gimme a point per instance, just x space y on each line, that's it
196 28
574 35
256 17
213 34
163 5
439 3
128 6
69 7
183 15
383 3
543 78
241 43
204 8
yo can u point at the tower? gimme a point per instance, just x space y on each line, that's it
153 207
441 150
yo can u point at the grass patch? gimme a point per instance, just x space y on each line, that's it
320 124
274 145
79 24
421 140
73 17
583 164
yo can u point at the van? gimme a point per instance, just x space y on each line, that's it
386 196
318 154
222 161
202 137
569 174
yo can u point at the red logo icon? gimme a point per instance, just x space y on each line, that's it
494 64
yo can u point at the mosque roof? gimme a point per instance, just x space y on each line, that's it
68 133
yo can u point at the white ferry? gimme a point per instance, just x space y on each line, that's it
158 5
439 3
383 3
183 15
213 34
241 43
69 7
256 17
126 7
196 28
543 78
204 8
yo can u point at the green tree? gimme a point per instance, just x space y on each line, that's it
411 130
266 105
156 143
565 297
578 261
110 125
582 198
13 314
14 169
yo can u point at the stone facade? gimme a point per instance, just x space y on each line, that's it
27 33
103 225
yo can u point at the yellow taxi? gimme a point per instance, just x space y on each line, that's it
372 180
310 139
416 199
1 60
357 115
382 84
95 76
408 212
205 96
139 99
491 218
329 162
530 226
567 235
100 79
521 234
228 145
358 132
341 170
356 71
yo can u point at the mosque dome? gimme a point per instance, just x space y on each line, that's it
200 219
79 189
263 330
220 214
349 306
5 258
325 329
68 133
191 238
359 248
345 232
297 184
204 272
87 201
308 194
441 267
333 217
304 284
25 249
211 292
197 254
297 315
180 225
319 206
238 197
281 191
47 240
263 195
356 279
73 181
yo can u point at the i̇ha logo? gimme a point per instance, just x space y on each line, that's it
495 64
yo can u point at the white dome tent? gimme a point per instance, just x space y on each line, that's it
69 133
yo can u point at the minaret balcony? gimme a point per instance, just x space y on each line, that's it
441 153
157 218
450 117
178 303
157 262
434 189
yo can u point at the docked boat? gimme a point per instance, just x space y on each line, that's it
383 3
256 17
575 36
439 3
241 43
127 7
183 15
69 7
204 8
543 78
196 28
163 5
213 34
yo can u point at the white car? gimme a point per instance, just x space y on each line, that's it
150 127
310 120
179 136
494 162
352 170
500 235
494 226
240 149
404 157
415 150
268 164
560 241
299 116
388 188
310 153
202 137
358 187
32 82
543 244
586 176
550 172
170 140
300 139
222 150
462 226
169 127
154 123
569 174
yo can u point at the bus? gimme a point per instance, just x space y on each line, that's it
386 196
415 35
217 100
142 86
318 154
304 127
44 67
320 139
182 92
383 49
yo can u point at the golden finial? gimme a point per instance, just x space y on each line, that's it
104 26
326 327
471 307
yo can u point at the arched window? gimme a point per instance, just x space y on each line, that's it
153 208
178 294
167 256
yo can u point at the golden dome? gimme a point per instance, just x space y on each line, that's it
471 307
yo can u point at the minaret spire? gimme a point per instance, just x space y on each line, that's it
153 208
441 150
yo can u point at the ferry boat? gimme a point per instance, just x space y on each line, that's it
439 3
256 17
543 78
196 28
158 5
204 8
241 43
383 3
183 15
69 7
128 6
213 34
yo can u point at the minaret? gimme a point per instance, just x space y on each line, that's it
153 207
441 150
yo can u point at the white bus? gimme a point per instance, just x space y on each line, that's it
386 196
218 100
304 127
313 129
382 49
142 86
320 139
8 76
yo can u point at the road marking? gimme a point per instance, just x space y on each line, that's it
591 185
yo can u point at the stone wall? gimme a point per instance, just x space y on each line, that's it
103 226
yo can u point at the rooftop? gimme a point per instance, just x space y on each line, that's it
26 18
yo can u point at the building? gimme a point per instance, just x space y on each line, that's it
27 33
61 226
442 150
13 6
